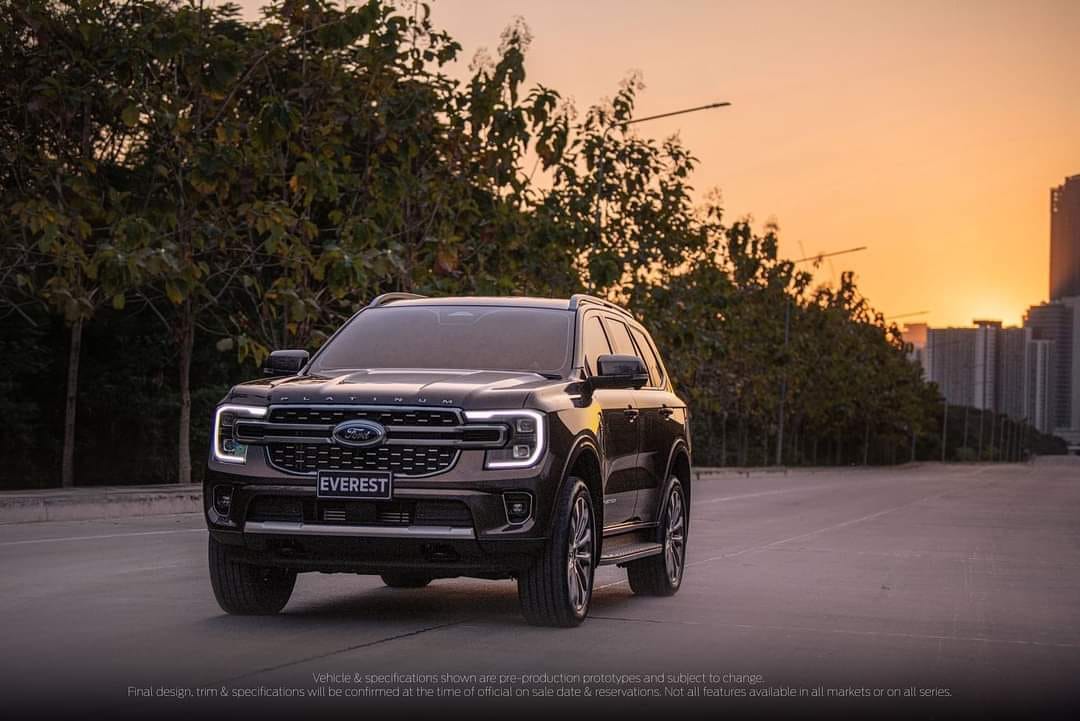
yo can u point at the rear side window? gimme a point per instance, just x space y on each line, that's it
620 338
594 342
649 356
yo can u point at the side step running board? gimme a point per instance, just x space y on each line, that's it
625 554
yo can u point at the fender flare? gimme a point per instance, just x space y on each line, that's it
678 448
585 440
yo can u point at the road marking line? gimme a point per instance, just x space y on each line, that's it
779 491
765 546
94 538
801 536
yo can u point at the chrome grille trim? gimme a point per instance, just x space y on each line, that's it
421 441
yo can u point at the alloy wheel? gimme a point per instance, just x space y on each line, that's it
579 560
675 537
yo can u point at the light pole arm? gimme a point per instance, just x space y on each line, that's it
603 145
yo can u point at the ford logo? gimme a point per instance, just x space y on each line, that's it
359 433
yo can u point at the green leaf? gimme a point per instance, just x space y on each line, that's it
130 115
174 293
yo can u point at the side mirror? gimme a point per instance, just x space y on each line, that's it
619 371
285 362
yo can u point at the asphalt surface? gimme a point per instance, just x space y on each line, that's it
945 591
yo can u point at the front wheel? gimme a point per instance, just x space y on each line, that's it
661 575
557 589
247 589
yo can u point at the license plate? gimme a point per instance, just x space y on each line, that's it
369 485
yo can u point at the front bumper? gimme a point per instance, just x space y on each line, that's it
483 542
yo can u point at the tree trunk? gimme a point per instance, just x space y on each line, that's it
744 441
723 441
866 445
186 341
67 466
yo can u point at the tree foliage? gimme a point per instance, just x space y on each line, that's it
219 187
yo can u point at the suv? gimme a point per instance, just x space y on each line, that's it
526 438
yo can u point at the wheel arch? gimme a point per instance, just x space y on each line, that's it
583 462
679 467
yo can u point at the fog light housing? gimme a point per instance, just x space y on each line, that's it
223 499
518 507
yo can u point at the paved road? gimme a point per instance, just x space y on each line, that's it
960 585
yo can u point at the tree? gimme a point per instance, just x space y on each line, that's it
65 138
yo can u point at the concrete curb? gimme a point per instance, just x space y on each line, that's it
82 504
708 473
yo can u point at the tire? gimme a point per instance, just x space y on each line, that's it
246 589
405 579
557 589
662 574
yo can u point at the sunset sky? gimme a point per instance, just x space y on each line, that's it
929 131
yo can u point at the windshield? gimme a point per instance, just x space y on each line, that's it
452 337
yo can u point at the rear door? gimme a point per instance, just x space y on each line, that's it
619 429
661 421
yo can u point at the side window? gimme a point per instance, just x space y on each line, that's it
649 356
620 338
594 342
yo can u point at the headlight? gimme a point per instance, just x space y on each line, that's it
527 438
226 448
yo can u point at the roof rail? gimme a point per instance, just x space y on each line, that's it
387 298
578 298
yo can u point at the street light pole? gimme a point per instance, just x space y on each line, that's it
787 334
623 124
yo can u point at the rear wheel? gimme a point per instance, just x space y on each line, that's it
557 589
405 579
661 575
244 588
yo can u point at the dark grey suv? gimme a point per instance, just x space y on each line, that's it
525 438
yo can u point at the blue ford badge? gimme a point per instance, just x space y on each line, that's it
359 433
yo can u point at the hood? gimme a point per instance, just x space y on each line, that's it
474 390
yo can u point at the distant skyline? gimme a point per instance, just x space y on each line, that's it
930 132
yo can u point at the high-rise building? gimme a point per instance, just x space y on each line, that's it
1065 239
1073 433
1011 365
1038 388
1004 370
950 363
1054 322
984 367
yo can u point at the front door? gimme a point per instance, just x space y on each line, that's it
619 430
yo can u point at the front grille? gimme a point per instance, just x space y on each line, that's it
419 441
401 460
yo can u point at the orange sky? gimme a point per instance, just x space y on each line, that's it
930 131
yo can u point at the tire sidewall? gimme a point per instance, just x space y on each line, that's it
575 488
675 487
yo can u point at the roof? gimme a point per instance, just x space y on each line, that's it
515 301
